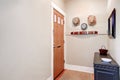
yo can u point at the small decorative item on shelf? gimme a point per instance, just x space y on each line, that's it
76 33
95 32
80 32
71 33
83 32
103 50
90 32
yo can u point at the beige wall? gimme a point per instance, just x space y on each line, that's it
114 44
25 39
60 4
80 49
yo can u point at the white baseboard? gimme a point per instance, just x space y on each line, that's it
50 78
79 68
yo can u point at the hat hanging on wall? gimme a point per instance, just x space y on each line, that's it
76 21
91 20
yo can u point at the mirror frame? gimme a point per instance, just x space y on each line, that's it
112 24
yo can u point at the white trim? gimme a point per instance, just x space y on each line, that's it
54 6
79 68
50 78
57 8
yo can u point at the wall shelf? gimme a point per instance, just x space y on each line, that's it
84 34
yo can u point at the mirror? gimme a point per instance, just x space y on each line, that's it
112 25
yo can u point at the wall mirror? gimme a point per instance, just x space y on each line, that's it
112 25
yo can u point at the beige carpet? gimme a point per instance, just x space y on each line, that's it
75 75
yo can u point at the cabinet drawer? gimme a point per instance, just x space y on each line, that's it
106 67
104 75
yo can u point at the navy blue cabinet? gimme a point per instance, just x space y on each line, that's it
104 70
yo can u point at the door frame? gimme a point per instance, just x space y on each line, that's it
54 6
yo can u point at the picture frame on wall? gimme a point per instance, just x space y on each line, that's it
112 24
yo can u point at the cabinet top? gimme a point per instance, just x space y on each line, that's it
97 60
